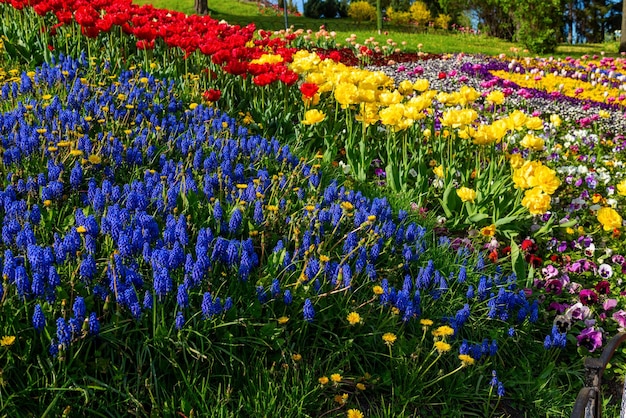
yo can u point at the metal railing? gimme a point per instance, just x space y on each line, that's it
589 400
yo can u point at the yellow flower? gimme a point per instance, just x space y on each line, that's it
421 84
438 171
392 115
488 231
354 413
296 357
496 97
545 178
341 399
609 218
76 153
268 59
442 347
95 159
346 94
426 322
516 119
313 116
533 142
389 338
443 331
378 290
335 377
516 161
466 194
534 124
360 386
47 202
556 120
7 340
621 188
353 318
466 359
81 229
323 380
283 320
536 201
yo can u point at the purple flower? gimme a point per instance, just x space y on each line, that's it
620 318
590 339
588 296
605 271
578 311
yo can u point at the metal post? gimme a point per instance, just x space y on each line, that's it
285 12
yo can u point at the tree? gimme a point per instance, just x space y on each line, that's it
622 41
201 7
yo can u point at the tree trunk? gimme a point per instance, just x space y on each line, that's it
622 41
201 7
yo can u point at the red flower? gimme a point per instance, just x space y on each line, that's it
442 75
235 67
493 256
309 89
528 245
289 78
603 287
534 260
212 95
264 79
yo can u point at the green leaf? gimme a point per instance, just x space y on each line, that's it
477 217
519 265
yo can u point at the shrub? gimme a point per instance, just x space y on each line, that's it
443 21
420 13
361 11
398 17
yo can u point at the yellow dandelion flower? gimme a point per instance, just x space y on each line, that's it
296 357
7 340
335 377
324 258
241 186
346 205
283 320
76 153
341 399
443 331
378 290
442 347
81 229
353 318
360 386
323 380
426 322
389 338
95 159
466 359
354 413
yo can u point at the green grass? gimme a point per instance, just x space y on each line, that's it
434 41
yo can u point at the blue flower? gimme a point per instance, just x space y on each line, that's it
39 319
79 308
180 321
64 333
182 297
308 311
287 297
94 324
